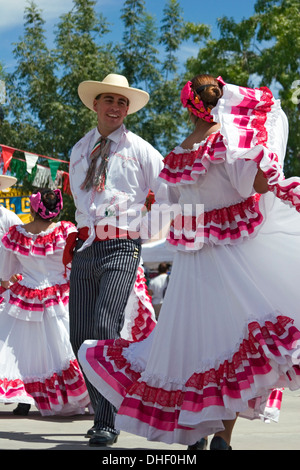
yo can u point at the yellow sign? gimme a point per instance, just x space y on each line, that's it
17 201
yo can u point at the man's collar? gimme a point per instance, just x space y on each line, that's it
114 136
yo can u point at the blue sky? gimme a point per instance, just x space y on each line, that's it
199 11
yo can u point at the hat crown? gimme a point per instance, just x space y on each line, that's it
116 80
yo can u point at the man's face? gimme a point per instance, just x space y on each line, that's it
111 110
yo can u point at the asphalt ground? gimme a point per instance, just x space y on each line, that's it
35 432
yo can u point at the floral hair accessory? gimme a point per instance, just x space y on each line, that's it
39 207
191 100
221 81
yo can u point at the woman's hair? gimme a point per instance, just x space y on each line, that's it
208 88
48 204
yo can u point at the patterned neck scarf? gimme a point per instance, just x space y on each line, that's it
96 177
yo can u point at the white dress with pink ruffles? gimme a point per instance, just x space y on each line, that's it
37 363
228 336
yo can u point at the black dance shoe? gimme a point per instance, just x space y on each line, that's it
218 443
22 409
103 438
199 445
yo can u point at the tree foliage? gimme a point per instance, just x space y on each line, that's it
43 110
262 50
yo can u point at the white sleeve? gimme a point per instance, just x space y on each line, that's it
9 264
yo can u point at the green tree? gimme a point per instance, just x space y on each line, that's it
133 46
279 63
167 110
262 50
172 31
32 79
230 56
148 59
81 54
46 115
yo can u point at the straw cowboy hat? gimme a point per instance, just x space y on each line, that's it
6 181
112 83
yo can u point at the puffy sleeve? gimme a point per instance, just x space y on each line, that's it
255 128
242 174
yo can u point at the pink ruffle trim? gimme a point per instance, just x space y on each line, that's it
184 167
144 323
41 245
248 128
38 300
226 225
2 290
232 385
63 390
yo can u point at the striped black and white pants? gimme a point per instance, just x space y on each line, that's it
101 280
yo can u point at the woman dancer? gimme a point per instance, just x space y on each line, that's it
229 328
37 364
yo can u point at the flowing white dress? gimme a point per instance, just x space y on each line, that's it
37 362
229 329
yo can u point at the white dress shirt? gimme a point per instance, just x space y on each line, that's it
158 286
133 168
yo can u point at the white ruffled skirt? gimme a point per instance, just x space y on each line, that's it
228 334
38 366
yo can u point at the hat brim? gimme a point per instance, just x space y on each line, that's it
89 89
7 181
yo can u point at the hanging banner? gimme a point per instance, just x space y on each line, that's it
37 175
53 168
6 154
31 160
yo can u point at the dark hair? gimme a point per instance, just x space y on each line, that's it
208 89
163 267
49 199
98 96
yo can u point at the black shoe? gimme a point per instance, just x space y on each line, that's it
199 445
218 443
103 438
91 432
22 409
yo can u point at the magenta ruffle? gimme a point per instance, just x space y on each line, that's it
37 300
233 384
144 323
226 225
40 245
51 395
183 167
